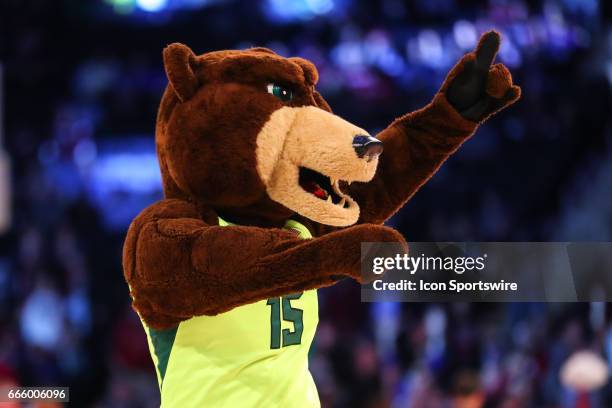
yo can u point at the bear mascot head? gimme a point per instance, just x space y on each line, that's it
247 134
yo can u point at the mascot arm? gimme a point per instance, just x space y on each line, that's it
417 143
178 266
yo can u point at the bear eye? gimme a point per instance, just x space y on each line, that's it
280 92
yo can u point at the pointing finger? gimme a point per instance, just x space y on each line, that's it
487 49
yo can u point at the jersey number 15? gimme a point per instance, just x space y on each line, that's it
290 314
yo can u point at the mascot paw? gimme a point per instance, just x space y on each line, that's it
477 89
380 241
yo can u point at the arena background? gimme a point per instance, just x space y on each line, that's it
82 81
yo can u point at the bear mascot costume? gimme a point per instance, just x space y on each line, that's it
268 196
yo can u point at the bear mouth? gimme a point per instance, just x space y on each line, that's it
323 187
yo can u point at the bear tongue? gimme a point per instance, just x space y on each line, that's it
316 190
320 193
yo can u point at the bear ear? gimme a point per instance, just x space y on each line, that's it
263 49
179 63
311 76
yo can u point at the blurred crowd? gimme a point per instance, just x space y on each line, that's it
82 81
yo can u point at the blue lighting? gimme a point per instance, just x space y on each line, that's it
465 34
152 6
282 10
134 172
430 48
509 54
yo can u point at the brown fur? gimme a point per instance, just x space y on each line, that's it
179 263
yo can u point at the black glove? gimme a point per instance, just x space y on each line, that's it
475 88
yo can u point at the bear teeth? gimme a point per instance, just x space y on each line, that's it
335 183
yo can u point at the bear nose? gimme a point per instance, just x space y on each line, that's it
367 146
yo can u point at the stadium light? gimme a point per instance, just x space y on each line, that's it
152 6
5 178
